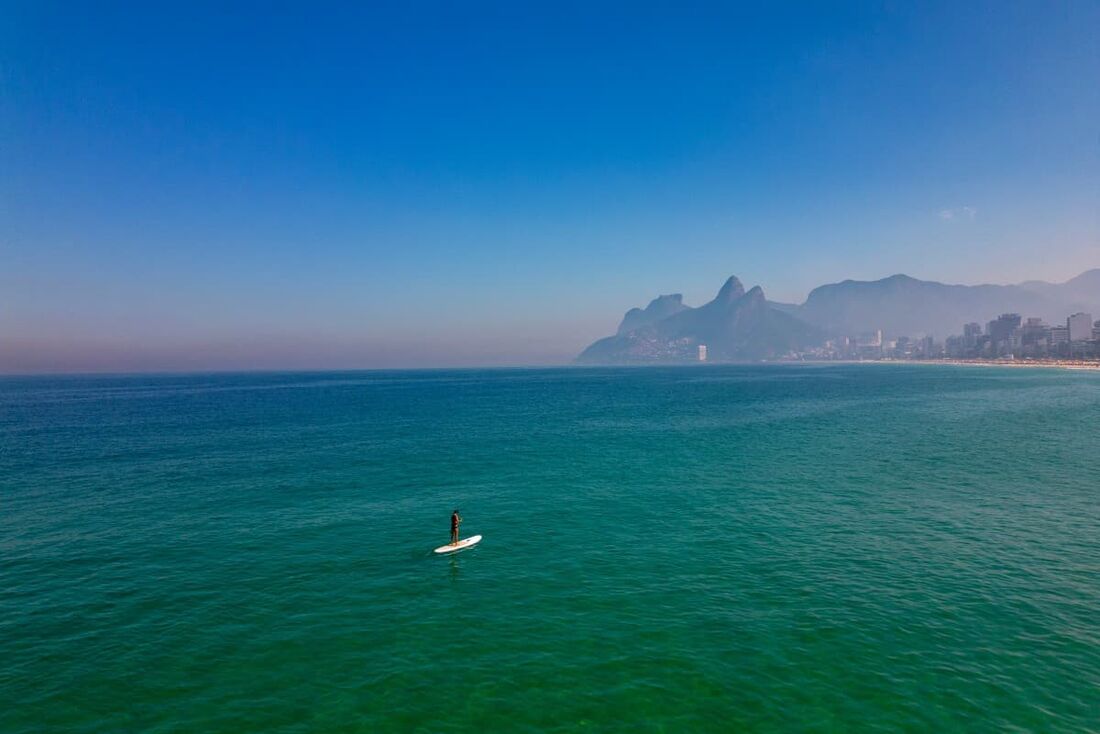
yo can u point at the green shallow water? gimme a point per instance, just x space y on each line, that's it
785 548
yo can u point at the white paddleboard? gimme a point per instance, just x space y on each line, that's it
464 543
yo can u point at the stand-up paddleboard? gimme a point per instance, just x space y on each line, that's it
460 545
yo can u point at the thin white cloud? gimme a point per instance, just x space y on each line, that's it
959 212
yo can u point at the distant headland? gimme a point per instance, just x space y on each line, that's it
898 317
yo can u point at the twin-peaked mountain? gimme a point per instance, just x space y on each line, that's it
734 326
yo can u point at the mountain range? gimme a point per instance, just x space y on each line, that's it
744 326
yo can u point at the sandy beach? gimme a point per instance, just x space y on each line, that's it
1064 364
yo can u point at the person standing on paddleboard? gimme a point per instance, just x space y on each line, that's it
455 520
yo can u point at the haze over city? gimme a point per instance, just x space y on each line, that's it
196 188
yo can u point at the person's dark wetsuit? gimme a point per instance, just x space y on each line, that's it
455 520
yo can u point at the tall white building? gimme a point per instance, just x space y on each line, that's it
870 339
1079 326
702 352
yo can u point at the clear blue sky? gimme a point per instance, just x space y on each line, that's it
187 186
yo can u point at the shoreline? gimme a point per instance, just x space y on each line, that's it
1061 364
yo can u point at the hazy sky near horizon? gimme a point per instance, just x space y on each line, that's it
424 184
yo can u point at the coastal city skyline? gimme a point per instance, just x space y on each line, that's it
1009 336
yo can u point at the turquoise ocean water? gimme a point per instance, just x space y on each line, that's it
784 548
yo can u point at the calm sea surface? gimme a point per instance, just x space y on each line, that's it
784 548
